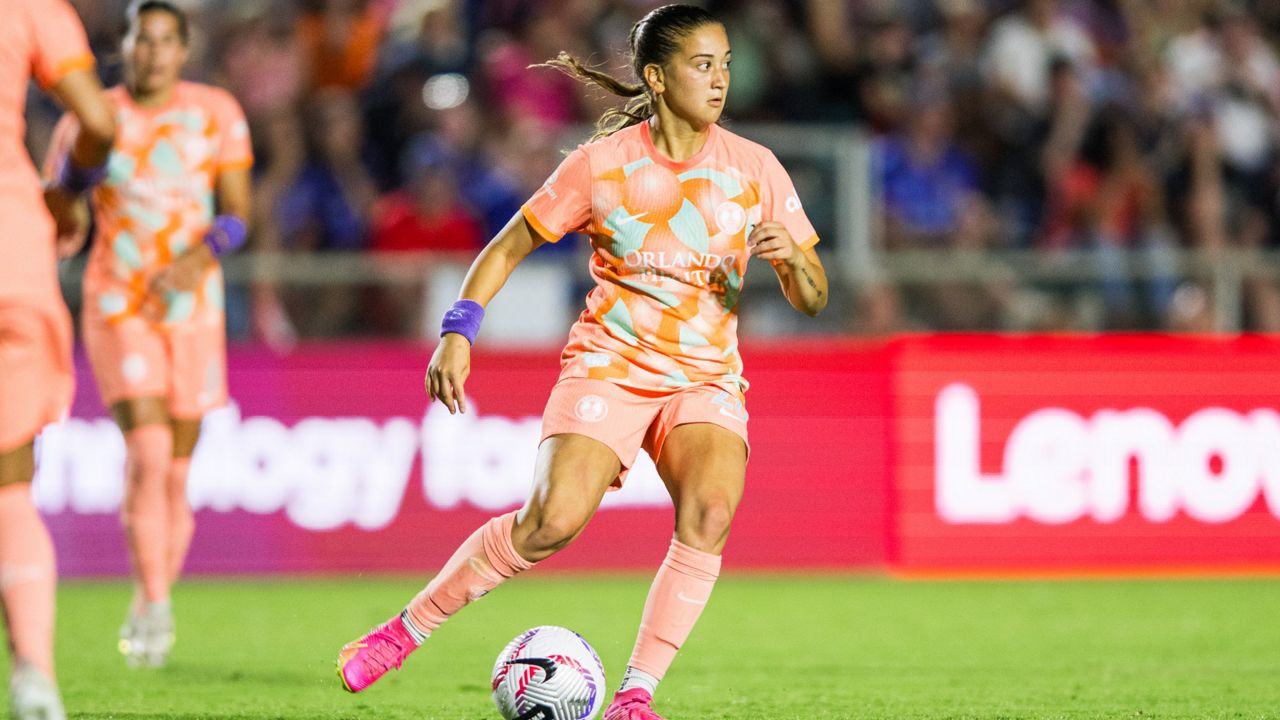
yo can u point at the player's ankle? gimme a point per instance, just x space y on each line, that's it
634 678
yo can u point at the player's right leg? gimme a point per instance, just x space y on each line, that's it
572 474
131 365
147 633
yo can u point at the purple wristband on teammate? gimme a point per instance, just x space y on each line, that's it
76 180
463 318
225 235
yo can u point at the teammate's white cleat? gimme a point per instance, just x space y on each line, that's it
33 695
147 638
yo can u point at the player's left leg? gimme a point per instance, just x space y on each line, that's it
27 580
182 524
35 387
704 468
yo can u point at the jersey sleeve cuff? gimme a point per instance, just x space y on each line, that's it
241 164
65 68
537 225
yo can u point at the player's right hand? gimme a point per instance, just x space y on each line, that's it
449 368
71 217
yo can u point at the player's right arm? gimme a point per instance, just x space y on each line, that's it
63 65
451 362
562 205
86 142
81 94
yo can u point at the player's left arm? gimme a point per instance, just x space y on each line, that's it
232 195
800 271
786 238
233 190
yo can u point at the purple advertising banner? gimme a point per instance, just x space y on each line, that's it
328 459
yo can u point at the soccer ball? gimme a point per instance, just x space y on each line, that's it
548 673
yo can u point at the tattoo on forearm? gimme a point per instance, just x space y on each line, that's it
812 284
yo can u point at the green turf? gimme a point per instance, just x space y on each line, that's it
767 647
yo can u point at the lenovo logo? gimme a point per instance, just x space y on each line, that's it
1059 466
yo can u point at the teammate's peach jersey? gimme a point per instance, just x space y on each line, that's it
41 39
158 198
669 241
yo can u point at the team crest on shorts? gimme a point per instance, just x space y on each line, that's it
591 408
134 368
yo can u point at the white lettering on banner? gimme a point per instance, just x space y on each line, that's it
323 473
1059 467
489 462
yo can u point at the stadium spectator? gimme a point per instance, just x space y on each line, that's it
341 40
932 201
1106 201
427 214
326 207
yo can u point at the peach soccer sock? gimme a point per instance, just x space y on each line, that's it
484 560
145 513
27 577
676 598
182 523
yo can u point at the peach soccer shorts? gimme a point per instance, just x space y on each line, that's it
36 381
184 363
629 420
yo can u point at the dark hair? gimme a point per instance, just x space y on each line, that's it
654 39
138 9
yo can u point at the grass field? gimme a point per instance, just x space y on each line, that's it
768 647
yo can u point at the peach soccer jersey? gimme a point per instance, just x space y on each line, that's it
158 199
670 252
44 39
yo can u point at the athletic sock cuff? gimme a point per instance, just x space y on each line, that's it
692 561
497 546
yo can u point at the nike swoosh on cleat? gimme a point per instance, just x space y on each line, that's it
685 598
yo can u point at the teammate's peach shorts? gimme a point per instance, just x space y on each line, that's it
629 420
186 363
36 380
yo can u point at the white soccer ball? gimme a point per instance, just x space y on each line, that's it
548 673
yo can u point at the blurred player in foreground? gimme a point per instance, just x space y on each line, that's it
675 206
153 318
43 38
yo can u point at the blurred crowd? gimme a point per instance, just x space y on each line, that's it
1122 130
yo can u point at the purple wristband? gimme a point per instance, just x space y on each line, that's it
225 235
463 318
76 180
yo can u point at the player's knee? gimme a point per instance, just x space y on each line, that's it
18 466
708 522
547 534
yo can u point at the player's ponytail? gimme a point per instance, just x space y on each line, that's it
654 39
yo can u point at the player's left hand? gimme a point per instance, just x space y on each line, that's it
185 272
771 241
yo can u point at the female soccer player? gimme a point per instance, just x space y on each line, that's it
153 301
674 205
44 39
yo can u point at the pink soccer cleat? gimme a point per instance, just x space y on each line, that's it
633 704
361 662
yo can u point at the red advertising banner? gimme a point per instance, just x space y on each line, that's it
926 454
329 459
1109 453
